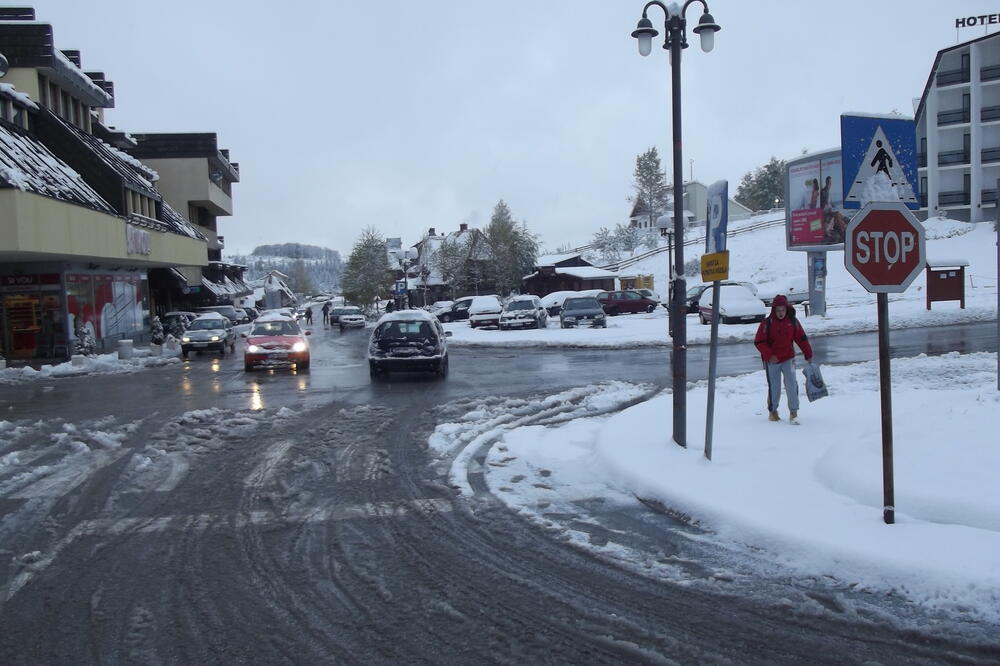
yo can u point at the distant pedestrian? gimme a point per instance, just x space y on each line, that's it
775 339
326 313
390 306
309 315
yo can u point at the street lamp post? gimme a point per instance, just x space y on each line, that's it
675 39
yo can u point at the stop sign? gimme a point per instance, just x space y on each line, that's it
884 247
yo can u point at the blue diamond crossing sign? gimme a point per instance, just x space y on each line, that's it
879 160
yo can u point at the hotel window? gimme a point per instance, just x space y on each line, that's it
65 103
43 90
54 98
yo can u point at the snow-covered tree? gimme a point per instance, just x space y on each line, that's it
628 238
366 275
451 260
512 250
84 343
606 244
650 185
156 335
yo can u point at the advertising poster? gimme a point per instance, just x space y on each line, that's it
717 216
107 305
815 203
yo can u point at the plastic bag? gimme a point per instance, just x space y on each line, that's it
815 386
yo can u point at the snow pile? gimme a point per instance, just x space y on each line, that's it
878 187
810 497
103 364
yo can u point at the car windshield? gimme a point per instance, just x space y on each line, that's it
520 305
275 328
207 324
581 304
347 311
405 330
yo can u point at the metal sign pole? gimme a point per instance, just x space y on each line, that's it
713 353
885 386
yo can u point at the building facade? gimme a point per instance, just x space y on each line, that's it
958 131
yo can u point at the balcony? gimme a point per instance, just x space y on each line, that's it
921 160
990 113
950 157
990 155
923 200
954 198
990 73
990 196
953 117
952 77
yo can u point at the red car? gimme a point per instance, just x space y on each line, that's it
619 302
276 340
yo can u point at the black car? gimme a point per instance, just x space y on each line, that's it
408 340
458 311
582 311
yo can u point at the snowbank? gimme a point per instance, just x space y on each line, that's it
104 364
810 497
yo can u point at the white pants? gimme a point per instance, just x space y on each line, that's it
776 372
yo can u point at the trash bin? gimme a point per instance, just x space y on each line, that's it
946 281
125 350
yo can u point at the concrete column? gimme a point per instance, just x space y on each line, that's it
933 146
976 135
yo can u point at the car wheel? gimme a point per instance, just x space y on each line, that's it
443 367
247 366
650 308
445 318
702 319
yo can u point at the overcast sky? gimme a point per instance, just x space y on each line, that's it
409 115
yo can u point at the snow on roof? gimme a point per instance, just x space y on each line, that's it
210 315
178 224
552 259
586 272
7 90
27 164
133 172
274 315
69 68
407 315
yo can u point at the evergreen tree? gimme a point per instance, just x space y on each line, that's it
156 335
606 244
511 250
366 275
764 187
650 185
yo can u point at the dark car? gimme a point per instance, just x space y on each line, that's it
626 301
582 311
458 310
408 340
209 332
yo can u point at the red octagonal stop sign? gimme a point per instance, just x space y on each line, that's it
884 247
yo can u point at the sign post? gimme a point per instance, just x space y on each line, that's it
884 251
714 267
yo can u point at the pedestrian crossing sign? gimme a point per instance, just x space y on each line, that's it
879 160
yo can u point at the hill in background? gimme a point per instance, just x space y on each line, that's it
310 267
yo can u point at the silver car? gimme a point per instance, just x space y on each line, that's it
209 332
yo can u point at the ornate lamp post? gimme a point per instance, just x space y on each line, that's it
675 39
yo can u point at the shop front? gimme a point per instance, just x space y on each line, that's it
32 317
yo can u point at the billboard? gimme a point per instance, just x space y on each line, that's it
815 218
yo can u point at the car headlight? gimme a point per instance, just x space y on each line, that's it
253 349
599 317
185 339
214 338
299 346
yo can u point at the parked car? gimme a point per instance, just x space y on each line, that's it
337 313
652 295
227 311
211 331
276 339
485 311
458 311
440 306
350 317
694 293
524 312
737 305
582 311
284 312
626 301
553 302
408 340
795 290
177 322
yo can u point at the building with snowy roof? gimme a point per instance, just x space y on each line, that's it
84 227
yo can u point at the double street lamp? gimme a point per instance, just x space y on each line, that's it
675 39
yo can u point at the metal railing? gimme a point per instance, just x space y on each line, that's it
989 113
953 117
952 77
954 198
946 157
989 73
990 155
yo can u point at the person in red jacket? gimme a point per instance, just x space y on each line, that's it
775 338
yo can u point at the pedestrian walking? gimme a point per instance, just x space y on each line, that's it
309 315
775 339
326 313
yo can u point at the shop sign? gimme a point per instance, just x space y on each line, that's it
137 240
973 21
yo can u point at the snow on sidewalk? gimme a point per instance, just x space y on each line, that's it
103 364
809 496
